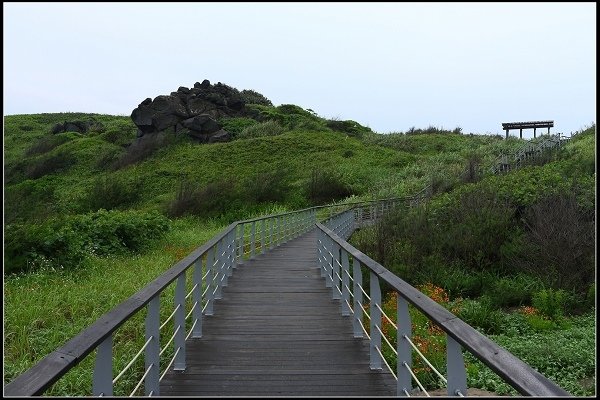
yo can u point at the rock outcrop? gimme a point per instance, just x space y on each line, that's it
194 111
77 126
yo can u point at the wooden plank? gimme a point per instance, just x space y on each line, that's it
278 332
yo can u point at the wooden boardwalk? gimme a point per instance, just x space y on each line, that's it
277 332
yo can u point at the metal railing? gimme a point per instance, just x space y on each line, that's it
211 265
335 257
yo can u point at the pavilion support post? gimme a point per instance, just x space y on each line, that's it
521 133
534 132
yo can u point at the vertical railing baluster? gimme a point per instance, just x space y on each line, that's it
179 341
403 346
103 374
335 272
328 261
218 269
271 238
225 261
262 237
457 374
231 248
252 239
321 251
152 352
197 313
210 297
375 314
279 223
241 243
358 298
345 284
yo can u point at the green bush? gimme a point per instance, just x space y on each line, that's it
65 242
46 143
349 127
480 314
267 187
267 128
111 192
50 164
550 303
459 282
236 125
325 186
250 96
214 199
512 291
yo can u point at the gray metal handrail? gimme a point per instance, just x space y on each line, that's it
212 264
333 257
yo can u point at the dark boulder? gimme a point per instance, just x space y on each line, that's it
221 136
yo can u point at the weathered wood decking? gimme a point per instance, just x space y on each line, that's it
277 332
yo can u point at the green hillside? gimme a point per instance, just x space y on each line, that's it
92 217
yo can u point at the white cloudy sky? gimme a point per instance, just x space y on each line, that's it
390 66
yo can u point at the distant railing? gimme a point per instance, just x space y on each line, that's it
529 151
335 256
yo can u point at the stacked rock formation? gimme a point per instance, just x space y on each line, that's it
194 111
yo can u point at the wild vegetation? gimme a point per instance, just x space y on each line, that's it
91 218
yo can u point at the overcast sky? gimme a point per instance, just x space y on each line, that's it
389 66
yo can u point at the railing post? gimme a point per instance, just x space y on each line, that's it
271 223
320 252
252 240
179 341
197 313
403 348
345 284
262 236
358 299
241 244
328 261
231 252
231 265
152 352
210 277
457 374
335 272
279 223
375 314
218 269
102 380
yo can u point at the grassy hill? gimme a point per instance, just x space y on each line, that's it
91 218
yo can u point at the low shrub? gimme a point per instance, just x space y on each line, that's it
213 199
46 143
326 185
235 126
111 192
49 164
514 290
65 242
141 149
267 187
550 303
267 128
480 314
250 96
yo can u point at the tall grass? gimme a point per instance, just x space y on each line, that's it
44 309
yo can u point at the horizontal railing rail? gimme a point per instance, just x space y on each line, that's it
335 257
